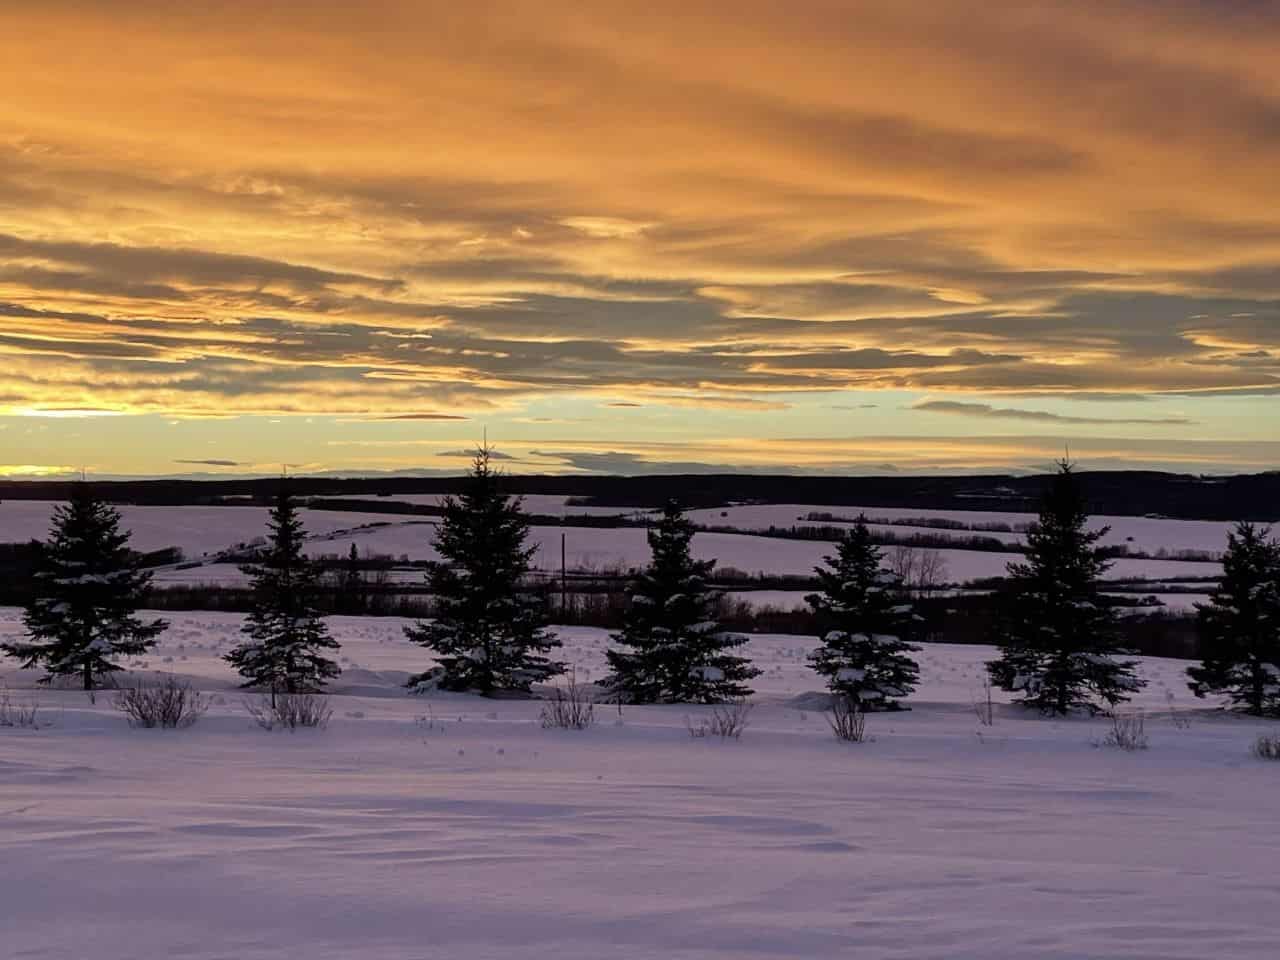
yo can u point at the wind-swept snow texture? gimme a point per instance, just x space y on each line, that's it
448 826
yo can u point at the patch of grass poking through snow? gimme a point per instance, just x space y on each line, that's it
727 721
428 725
571 707
290 711
1128 732
169 704
1267 747
984 707
1179 718
847 719
18 714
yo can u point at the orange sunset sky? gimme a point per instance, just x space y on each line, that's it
841 237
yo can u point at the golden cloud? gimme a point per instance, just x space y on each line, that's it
374 209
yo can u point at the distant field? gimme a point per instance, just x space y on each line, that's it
202 532
196 530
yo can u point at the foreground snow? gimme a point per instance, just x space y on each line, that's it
456 827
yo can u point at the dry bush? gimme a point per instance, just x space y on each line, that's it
290 711
170 704
428 724
922 570
1267 747
571 707
1128 731
727 721
1179 718
847 719
985 708
15 714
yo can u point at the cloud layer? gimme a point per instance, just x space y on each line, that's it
397 210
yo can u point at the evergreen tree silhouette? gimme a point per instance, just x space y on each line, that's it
82 618
489 631
1240 626
1056 631
287 638
863 609
671 647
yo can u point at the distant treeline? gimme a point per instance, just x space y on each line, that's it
935 523
1117 493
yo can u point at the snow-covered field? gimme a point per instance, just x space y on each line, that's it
195 530
204 531
627 547
543 503
454 827
1138 533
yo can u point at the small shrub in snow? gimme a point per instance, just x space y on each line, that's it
570 707
848 719
15 714
1128 731
727 721
984 707
170 704
1267 747
1179 718
428 724
290 710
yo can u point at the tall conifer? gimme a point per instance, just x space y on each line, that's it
287 638
88 587
489 631
864 654
671 648
1240 626
1056 631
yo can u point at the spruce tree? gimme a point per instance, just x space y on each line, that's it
489 631
287 638
1240 626
1056 631
88 587
865 616
673 649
